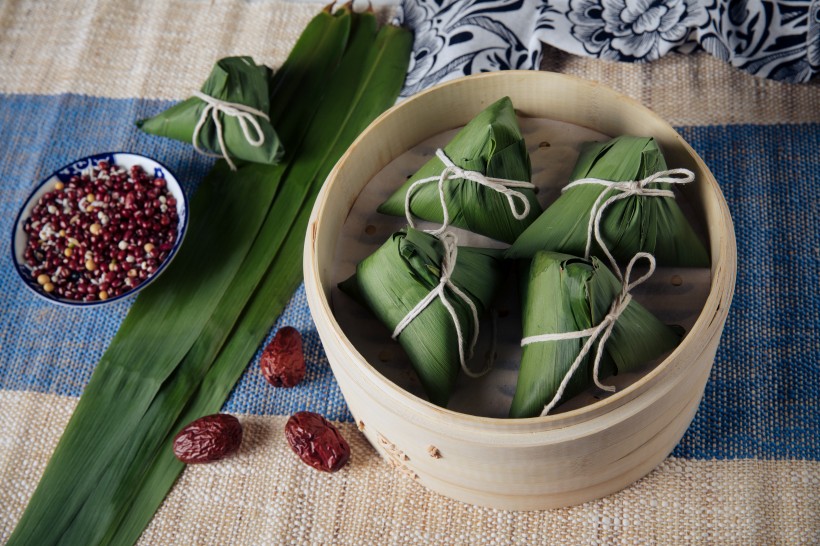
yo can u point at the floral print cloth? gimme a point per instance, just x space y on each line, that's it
777 39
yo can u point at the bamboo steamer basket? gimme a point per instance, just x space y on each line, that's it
542 462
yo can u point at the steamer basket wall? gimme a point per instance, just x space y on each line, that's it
543 462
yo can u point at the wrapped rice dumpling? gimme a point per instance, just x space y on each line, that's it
635 223
406 270
228 117
563 294
490 146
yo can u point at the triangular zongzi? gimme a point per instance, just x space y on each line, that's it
406 270
491 145
636 223
231 108
563 294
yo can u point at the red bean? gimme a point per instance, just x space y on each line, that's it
129 207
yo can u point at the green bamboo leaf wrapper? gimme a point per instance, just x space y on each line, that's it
236 80
562 293
628 226
395 278
491 143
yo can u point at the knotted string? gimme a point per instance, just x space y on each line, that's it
624 190
452 171
602 331
448 264
245 115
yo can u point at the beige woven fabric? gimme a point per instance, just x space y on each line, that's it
133 48
697 89
265 495
160 49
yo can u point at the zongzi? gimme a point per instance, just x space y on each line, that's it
430 293
590 328
620 202
480 181
228 116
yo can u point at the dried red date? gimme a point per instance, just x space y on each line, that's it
317 442
209 438
283 363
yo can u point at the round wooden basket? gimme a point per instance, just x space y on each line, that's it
542 462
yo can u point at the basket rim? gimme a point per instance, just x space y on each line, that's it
713 314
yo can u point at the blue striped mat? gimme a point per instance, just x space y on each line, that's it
761 401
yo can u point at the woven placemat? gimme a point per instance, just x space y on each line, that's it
265 495
75 75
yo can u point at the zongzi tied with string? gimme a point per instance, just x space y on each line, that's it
575 312
228 117
480 181
624 188
430 293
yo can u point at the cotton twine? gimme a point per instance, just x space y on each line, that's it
624 190
245 115
452 171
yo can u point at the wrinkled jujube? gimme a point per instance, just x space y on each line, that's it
317 442
209 438
283 362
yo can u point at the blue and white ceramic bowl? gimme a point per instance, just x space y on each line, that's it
64 174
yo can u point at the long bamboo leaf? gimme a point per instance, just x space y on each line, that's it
379 89
114 492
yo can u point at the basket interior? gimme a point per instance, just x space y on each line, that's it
675 295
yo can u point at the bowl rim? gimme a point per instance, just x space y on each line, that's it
715 308
182 228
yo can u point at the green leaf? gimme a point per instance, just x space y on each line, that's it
631 225
491 143
402 272
560 294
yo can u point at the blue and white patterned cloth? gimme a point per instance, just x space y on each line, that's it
777 39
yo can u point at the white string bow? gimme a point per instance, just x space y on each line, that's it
245 115
452 171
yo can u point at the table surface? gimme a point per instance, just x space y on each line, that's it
75 75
